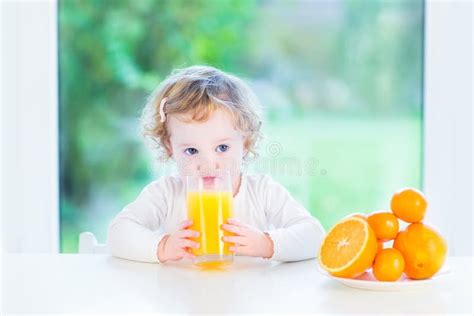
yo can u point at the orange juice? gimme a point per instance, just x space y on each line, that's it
209 210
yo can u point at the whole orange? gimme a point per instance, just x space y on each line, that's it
388 265
384 224
409 205
423 248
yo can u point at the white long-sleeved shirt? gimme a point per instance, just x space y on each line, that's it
261 202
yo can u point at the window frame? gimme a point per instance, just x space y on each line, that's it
447 133
29 130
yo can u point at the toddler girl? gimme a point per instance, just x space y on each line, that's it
207 120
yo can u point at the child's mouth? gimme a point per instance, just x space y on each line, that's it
208 180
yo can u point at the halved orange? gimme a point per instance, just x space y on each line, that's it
349 248
361 215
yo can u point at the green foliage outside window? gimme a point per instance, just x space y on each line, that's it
341 83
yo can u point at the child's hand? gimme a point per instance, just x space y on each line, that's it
249 241
176 246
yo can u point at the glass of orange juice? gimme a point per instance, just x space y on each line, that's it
209 205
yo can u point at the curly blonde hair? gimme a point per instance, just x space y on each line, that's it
200 90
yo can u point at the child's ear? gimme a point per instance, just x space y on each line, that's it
168 148
246 146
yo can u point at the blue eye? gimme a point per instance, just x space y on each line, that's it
222 148
190 151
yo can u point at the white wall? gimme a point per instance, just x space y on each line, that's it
29 164
1 164
448 121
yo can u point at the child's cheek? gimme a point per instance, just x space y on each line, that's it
235 163
186 165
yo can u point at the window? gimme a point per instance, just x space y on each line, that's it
341 82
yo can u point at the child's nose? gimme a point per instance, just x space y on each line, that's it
206 167
208 164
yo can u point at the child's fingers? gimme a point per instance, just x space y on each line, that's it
236 222
182 254
235 240
241 231
239 250
185 224
188 255
188 233
186 243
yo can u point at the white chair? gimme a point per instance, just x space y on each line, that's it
88 244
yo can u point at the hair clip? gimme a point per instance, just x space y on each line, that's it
162 110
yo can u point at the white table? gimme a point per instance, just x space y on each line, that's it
99 283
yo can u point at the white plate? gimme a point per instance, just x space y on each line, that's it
367 281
